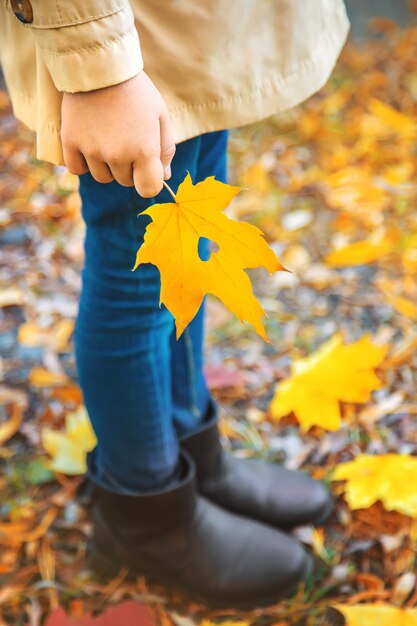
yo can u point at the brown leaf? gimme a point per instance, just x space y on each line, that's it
10 428
125 614
11 537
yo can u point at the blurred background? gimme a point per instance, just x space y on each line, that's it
332 185
361 11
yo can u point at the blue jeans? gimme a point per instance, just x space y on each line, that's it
141 387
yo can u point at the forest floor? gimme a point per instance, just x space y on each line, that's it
332 185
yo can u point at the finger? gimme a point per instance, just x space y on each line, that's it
100 171
123 173
74 161
148 177
167 143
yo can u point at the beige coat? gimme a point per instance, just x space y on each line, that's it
217 63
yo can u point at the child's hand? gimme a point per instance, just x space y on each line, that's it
121 132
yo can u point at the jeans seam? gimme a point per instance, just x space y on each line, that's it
191 371
155 380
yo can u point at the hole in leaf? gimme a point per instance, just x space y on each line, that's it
206 247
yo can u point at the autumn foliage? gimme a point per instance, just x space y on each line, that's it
332 187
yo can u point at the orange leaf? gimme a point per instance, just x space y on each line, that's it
13 536
10 428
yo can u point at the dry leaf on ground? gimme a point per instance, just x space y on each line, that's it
69 449
390 478
377 615
318 383
127 613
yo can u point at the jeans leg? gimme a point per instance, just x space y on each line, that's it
190 395
122 339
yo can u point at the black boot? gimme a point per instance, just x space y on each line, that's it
180 540
254 488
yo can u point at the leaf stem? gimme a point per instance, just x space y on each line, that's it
168 188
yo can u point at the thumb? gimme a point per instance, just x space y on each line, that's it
167 143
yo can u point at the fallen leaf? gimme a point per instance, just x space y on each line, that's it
56 338
10 592
256 177
393 120
9 535
403 352
318 383
171 243
69 449
371 582
8 560
12 425
127 613
369 415
390 478
69 394
360 252
318 543
41 377
403 305
352 189
403 588
377 615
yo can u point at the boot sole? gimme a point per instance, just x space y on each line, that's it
109 569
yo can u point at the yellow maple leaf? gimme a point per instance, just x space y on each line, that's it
319 382
390 478
69 449
171 243
377 615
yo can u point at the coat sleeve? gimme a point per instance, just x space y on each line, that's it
87 44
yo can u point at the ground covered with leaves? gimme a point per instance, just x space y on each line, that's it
333 187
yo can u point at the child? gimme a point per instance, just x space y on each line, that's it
169 503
